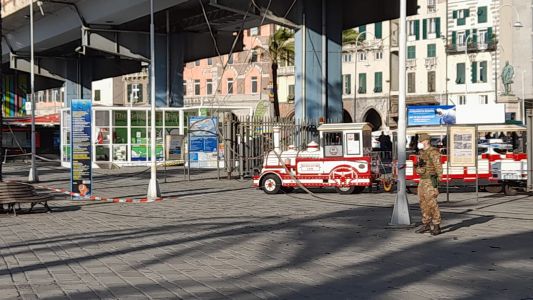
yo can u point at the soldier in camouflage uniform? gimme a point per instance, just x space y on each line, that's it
429 168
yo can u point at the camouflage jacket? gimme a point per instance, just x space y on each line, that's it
431 163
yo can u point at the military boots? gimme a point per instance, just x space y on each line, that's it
435 230
423 229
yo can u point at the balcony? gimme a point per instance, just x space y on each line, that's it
286 71
472 47
431 62
410 63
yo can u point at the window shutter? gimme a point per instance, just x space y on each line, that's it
417 29
467 13
378 30
437 27
378 82
474 72
454 14
467 34
474 36
432 50
362 29
482 14
489 35
425 29
460 73
362 83
454 38
483 71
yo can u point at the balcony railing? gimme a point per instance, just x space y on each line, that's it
410 63
287 70
472 47
431 62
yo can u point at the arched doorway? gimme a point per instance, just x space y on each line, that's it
346 117
374 118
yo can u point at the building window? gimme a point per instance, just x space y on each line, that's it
362 56
197 87
254 85
255 31
460 70
253 58
347 84
461 39
379 55
462 100
362 83
432 50
482 38
184 87
431 81
482 14
291 92
209 61
230 85
56 95
483 71
230 59
378 30
432 5
483 99
411 83
209 86
411 52
414 29
378 82
347 57
460 16
431 26
135 93
197 63
97 95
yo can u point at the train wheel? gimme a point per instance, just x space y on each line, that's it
388 185
271 184
413 190
494 189
345 190
509 190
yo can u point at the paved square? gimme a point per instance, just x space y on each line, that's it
212 239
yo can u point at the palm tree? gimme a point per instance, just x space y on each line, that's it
280 48
349 36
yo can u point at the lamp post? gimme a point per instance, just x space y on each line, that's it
153 187
400 213
32 177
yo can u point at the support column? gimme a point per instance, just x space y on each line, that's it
176 69
309 63
78 83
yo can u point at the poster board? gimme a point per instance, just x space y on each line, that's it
81 149
431 115
203 142
463 146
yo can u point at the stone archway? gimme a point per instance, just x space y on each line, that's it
374 119
346 117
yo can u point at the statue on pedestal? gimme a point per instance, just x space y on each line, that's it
507 78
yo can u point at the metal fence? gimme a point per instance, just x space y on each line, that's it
247 140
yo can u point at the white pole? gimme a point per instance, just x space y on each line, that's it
324 63
523 98
466 66
400 214
32 177
153 187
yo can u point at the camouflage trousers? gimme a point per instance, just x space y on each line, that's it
428 202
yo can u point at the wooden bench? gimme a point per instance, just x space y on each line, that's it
12 193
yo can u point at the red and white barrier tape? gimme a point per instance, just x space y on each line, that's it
91 198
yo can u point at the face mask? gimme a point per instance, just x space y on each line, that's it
420 146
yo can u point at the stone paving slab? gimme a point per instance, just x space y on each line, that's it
212 239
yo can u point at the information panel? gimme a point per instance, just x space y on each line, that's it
463 145
203 142
81 169
431 115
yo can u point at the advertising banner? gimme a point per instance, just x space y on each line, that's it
81 169
203 142
431 115
463 145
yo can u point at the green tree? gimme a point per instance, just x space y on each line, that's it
349 36
280 48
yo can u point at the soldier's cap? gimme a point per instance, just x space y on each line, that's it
423 137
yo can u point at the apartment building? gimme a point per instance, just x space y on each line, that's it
240 79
